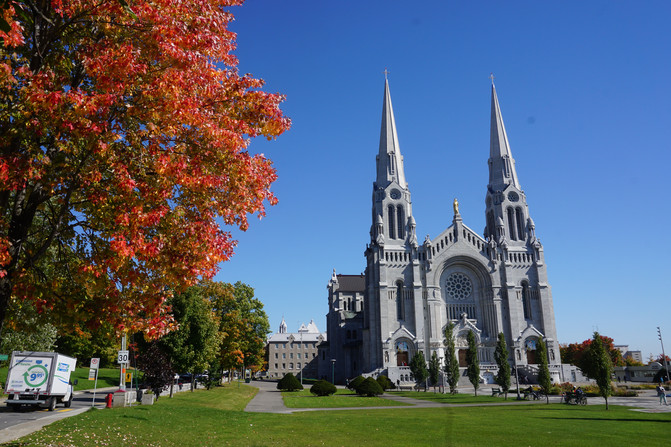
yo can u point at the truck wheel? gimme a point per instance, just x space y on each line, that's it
52 404
68 403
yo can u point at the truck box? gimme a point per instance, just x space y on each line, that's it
39 379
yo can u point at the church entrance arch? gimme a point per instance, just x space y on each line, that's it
402 353
531 346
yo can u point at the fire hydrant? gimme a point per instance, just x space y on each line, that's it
108 400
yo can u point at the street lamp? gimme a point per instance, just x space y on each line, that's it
517 377
333 370
666 364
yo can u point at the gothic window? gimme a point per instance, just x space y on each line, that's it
526 301
520 223
392 234
400 307
511 223
491 228
400 221
458 286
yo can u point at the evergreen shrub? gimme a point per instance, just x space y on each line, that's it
354 383
369 387
385 383
323 388
289 383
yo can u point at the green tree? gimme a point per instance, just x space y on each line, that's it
195 344
543 372
451 362
600 366
473 364
243 325
434 370
418 367
501 357
369 387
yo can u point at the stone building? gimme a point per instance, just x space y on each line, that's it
294 352
411 289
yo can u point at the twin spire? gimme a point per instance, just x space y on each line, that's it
390 161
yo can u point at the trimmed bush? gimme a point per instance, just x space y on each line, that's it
353 384
323 388
369 387
289 383
385 383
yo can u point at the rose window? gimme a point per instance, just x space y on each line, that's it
458 286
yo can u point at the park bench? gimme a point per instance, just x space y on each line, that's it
497 392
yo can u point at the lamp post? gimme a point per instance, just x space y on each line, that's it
333 370
666 364
517 377
302 359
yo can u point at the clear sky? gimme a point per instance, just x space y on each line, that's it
584 91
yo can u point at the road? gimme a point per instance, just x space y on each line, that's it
15 424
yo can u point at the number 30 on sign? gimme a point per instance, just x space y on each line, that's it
123 357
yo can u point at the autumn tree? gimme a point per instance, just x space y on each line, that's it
451 363
574 353
243 325
123 145
473 364
501 356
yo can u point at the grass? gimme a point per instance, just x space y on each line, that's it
341 399
454 398
215 418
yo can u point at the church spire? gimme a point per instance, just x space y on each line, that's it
501 163
389 159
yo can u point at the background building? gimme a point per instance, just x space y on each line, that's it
411 290
294 352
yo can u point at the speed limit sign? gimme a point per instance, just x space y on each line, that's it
122 357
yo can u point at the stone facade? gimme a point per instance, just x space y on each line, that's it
294 352
412 289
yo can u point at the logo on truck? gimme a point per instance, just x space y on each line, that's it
35 376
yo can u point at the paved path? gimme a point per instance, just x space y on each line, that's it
269 400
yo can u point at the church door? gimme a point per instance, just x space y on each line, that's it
531 357
402 358
462 358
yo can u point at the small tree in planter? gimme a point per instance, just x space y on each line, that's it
369 387
289 383
323 388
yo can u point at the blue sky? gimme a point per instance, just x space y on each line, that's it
584 91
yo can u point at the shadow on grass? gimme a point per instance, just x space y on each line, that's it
607 419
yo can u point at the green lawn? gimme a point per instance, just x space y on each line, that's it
453 398
342 399
215 418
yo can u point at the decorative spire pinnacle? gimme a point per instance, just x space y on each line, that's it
501 163
389 159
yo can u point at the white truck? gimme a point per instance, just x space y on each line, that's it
40 379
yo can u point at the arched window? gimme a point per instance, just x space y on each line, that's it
392 234
511 224
402 353
526 301
400 307
520 223
400 215
491 228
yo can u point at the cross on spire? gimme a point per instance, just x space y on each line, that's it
386 72
491 76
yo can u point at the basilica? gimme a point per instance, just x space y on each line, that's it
411 289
